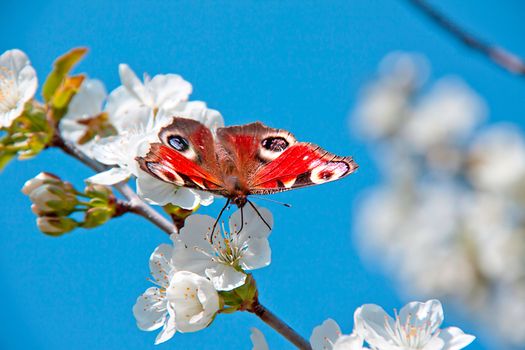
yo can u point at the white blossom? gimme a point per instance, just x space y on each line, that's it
164 92
416 327
244 246
138 110
86 104
18 83
328 336
182 301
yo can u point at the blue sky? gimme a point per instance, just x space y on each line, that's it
296 65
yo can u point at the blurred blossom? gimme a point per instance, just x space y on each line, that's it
497 159
384 103
18 83
448 218
447 114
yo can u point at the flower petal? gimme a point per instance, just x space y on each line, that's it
87 102
257 255
325 335
160 264
110 177
258 340
348 342
150 310
225 277
419 314
455 339
134 85
168 90
194 300
369 321
254 226
193 251
169 329
161 193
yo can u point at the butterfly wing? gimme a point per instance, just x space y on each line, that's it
271 160
185 156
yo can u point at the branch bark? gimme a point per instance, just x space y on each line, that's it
497 55
279 326
136 204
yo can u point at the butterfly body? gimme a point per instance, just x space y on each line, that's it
239 161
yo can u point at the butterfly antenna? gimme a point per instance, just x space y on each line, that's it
259 214
217 221
274 201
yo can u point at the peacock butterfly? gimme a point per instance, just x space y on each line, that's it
238 161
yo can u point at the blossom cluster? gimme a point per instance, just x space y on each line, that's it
415 327
448 215
205 269
202 272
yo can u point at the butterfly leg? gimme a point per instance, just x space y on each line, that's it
259 214
217 221
242 220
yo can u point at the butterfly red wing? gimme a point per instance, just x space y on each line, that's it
185 157
302 164
271 160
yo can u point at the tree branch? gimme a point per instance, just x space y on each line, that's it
278 325
136 204
497 55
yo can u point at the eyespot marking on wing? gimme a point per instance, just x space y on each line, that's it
180 144
272 146
329 172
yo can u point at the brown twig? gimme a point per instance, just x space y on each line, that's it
278 325
136 204
497 55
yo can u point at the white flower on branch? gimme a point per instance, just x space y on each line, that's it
138 111
84 109
416 327
163 92
182 301
328 336
224 258
18 83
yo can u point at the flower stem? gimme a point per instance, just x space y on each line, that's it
278 325
136 204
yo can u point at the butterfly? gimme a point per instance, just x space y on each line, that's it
238 161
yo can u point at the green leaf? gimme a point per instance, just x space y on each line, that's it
61 68
5 157
64 93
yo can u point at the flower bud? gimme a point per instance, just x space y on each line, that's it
99 191
55 225
38 181
51 198
97 216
